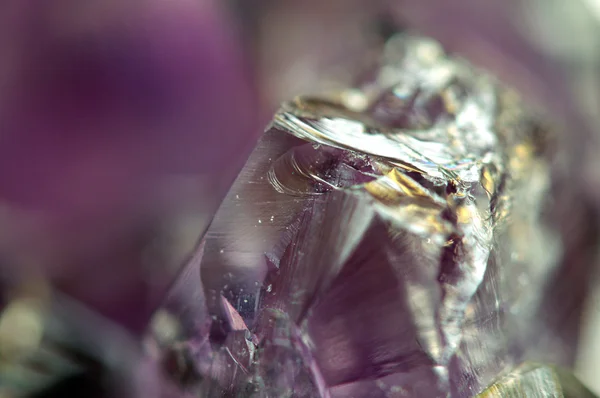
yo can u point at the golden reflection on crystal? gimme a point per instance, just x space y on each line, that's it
529 380
537 380
487 182
464 215
450 164
385 193
420 220
407 185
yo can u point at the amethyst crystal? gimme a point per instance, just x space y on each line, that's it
387 241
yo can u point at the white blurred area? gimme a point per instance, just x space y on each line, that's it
587 367
570 31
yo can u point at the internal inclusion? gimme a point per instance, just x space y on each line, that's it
383 241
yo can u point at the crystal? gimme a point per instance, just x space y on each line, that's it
384 242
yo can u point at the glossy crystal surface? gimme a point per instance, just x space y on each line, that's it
390 240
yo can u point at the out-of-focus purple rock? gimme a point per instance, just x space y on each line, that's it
117 142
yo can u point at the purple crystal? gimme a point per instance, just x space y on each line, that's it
362 254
